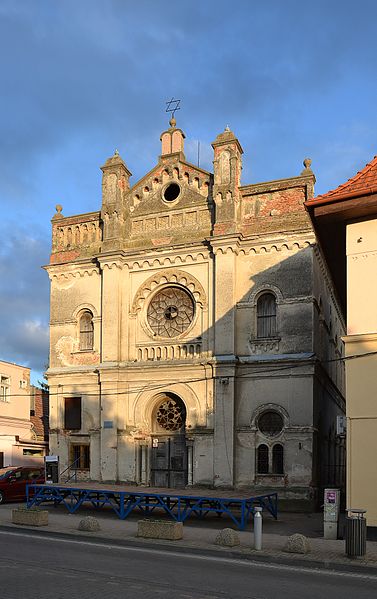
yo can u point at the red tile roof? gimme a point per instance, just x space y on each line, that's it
363 183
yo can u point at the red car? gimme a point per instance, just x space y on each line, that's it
13 481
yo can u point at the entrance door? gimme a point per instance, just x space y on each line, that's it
169 452
169 461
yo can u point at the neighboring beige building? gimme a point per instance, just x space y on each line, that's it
19 444
346 222
191 318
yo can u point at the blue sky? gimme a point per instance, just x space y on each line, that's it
81 78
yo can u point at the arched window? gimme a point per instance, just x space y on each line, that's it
262 459
266 315
86 331
277 459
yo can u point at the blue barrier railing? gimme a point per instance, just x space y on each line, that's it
179 507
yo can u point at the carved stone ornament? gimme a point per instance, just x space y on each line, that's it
172 277
171 414
264 346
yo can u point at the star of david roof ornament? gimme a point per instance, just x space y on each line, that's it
172 106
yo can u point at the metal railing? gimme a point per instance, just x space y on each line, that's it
71 467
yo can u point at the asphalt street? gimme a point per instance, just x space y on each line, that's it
53 568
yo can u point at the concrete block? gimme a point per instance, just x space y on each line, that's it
30 517
160 529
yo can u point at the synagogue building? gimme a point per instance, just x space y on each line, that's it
195 334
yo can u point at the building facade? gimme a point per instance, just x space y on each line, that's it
19 441
191 321
346 222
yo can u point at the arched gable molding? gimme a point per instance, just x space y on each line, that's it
165 277
258 290
83 308
147 401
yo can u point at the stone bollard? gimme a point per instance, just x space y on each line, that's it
297 543
89 524
228 538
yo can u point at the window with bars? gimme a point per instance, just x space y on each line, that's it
80 456
266 315
270 460
86 331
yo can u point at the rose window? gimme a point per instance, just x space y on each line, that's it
171 414
170 312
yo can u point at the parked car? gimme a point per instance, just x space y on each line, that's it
13 481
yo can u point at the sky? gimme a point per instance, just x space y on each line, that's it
80 78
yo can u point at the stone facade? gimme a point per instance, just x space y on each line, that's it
189 327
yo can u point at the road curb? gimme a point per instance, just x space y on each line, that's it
176 546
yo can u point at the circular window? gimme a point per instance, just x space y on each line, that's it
170 312
171 192
171 415
270 423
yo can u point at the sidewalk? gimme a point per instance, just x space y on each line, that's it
199 536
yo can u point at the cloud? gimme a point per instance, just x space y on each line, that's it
80 79
24 304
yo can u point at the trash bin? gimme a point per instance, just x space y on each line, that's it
356 533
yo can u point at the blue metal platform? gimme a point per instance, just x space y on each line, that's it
123 502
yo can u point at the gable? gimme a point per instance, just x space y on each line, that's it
172 201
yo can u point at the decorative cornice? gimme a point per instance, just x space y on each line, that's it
271 247
163 261
360 338
61 277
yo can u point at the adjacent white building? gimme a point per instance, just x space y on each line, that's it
19 445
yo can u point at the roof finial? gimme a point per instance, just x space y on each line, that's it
58 213
116 153
307 162
227 128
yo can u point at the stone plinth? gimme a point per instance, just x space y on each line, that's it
30 517
160 529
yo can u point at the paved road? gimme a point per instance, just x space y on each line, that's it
52 568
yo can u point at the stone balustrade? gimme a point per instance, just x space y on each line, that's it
184 351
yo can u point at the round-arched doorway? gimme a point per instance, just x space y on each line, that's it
169 451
